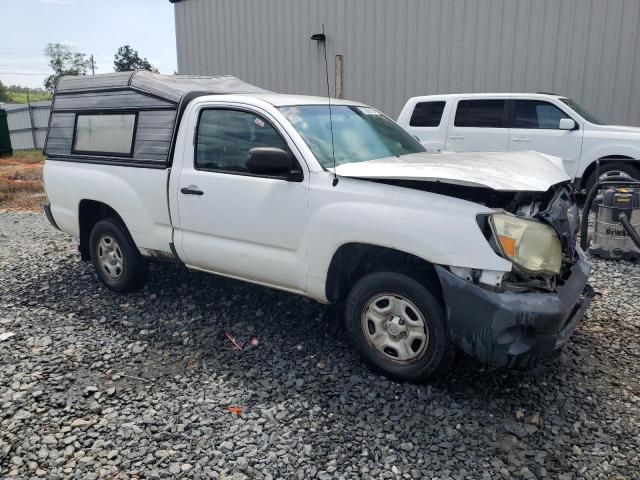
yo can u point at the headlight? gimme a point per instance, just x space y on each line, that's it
531 245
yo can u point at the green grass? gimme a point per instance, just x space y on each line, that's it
21 97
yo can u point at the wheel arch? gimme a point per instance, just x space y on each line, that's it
91 212
591 167
352 261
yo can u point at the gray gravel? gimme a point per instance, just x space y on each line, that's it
98 385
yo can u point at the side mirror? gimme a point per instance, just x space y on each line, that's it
271 161
567 124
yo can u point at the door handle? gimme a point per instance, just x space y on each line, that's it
191 190
521 140
456 137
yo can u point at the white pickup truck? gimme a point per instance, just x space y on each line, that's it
546 123
427 250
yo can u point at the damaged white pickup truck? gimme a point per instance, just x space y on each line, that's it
429 251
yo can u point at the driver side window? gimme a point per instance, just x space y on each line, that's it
537 114
225 137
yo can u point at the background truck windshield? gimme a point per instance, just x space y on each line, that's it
360 133
588 116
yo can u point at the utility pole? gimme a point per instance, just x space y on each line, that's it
339 77
93 65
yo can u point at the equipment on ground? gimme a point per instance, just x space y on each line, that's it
615 233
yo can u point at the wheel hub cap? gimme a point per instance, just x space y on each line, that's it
395 328
110 257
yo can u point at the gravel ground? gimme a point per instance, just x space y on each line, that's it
98 385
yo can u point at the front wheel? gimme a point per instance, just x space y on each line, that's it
398 326
116 258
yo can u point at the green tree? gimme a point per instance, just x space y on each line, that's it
64 61
127 59
4 97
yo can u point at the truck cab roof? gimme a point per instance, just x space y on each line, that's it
283 100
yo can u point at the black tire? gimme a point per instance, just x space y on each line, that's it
612 168
130 269
438 351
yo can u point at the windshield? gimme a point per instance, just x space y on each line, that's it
359 133
588 116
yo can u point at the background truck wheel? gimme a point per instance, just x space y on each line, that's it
398 326
613 169
116 258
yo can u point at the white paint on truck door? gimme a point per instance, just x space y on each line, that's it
478 125
536 126
230 221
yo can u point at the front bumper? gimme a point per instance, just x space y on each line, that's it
510 329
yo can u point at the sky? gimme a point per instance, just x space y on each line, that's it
97 27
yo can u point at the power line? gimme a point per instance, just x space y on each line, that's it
23 52
21 73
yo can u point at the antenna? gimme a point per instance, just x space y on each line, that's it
326 69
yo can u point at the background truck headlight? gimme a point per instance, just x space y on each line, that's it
531 245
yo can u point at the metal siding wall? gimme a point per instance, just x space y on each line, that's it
21 140
20 125
18 119
586 49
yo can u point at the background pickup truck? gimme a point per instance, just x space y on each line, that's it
335 202
546 123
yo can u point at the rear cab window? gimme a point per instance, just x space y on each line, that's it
427 114
481 113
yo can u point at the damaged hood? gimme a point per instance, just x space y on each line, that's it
503 171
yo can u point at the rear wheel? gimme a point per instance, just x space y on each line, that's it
398 326
614 169
115 257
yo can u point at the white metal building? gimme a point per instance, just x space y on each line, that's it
27 123
394 49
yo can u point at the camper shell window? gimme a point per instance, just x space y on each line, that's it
109 134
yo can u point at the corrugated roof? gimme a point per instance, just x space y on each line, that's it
171 87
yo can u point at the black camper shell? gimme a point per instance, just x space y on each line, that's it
151 104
